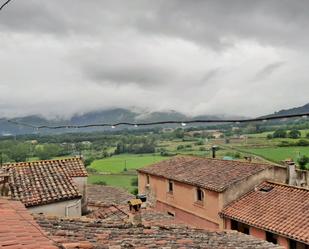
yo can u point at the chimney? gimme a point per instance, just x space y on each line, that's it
214 148
4 184
291 171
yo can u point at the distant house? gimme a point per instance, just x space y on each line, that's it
56 187
274 212
196 189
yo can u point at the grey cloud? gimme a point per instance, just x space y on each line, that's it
207 22
195 57
268 70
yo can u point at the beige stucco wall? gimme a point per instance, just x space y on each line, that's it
183 197
238 189
60 208
81 183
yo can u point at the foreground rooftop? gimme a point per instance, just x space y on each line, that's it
279 208
212 174
110 234
19 230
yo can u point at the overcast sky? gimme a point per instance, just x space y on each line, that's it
61 57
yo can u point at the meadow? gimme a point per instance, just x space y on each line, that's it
119 170
278 154
123 181
118 163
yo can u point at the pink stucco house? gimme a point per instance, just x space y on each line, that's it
196 189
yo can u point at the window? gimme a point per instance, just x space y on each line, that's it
199 195
270 237
292 244
148 180
240 227
234 225
170 186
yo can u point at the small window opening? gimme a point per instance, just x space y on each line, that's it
234 225
240 227
148 179
171 214
170 186
200 194
270 237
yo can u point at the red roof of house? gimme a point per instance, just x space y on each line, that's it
212 174
277 208
43 182
19 230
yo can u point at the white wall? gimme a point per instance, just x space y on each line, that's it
62 208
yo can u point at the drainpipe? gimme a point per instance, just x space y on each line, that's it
67 208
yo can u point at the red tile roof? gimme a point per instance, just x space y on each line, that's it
44 182
19 230
283 210
212 174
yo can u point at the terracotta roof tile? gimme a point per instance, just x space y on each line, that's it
107 195
19 230
212 174
110 234
42 182
282 210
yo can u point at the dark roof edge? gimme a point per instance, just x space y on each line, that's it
51 201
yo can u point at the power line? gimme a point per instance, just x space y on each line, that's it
181 122
7 2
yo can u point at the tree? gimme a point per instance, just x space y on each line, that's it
269 136
294 134
47 151
280 133
88 161
179 133
307 135
134 191
303 161
20 152
134 182
302 142
180 147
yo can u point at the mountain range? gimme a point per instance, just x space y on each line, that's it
113 116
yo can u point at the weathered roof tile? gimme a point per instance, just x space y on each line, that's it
212 174
43 182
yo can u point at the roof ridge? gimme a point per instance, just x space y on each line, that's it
41 161
215 159
286 185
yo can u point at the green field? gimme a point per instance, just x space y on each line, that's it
280 153
116 164
123 181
